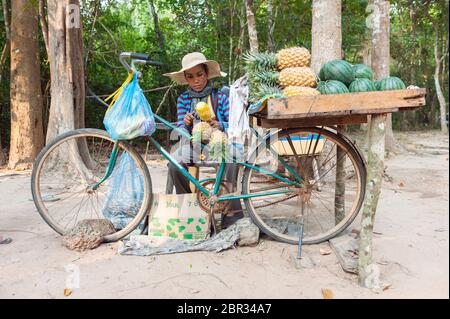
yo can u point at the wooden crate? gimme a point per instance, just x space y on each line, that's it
337 109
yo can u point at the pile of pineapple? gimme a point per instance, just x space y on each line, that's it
282 74
204 133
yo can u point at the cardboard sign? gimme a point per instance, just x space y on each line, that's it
178 216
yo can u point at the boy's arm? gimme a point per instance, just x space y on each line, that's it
224 110
182 110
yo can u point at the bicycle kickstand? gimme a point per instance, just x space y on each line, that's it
300 237
213 221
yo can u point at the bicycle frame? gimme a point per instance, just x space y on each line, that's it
220 174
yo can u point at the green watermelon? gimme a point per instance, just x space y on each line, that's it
377 85
362 85
391 83
338 70
332 87
362 71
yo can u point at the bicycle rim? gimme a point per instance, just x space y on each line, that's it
325 205
77 159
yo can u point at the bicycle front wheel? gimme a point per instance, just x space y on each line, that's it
66 169
332 190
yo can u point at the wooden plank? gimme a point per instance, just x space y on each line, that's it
312 121
342 104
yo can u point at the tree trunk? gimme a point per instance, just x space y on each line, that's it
381 56
409 117
44 23
326 32
66 68
271 26
5 53
251 24
27 137
230 57
159 34
67 80
367 60
7 47
377 142
327 46
440 95
433 111
240 47
367 270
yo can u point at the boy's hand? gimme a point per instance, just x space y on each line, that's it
214 122
188 119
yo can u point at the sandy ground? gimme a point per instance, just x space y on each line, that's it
411 248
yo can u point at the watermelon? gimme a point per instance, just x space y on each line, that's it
362 71
362 85
338 70
377 85
332 87
391 83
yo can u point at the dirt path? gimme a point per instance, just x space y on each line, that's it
411 247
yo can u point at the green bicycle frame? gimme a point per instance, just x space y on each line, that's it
218 180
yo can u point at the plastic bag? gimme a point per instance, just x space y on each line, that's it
125 193
129 115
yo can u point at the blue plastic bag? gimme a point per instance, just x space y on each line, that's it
130 114
125 193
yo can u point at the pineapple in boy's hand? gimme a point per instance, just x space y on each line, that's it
203 111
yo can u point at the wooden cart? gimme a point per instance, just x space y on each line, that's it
336 109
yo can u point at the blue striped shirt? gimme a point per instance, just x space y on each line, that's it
184 106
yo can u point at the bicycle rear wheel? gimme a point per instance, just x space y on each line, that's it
331 195
66 168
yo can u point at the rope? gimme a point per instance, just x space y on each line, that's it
145 91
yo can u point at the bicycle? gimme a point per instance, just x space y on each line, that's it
288 180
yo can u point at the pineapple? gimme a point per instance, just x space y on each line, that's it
265 91
299 90
267 77
204 111
201 132
293 57
218 145
257 62
298 76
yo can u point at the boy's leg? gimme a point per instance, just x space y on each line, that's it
185 154
231 174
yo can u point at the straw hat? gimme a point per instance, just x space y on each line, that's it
193 59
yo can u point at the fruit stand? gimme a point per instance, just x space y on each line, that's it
336 109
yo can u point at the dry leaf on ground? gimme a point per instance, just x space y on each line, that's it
327 293
325 251
67 292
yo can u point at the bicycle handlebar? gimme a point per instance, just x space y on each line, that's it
140 58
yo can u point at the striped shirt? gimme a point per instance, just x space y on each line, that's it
184 106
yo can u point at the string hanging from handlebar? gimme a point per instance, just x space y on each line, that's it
116 94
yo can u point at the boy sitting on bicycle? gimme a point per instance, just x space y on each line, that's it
195 72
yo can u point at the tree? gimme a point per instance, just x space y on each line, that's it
65 44
271 26
326 32
27 137
439 57
381 57
327 46
4 55
377 130
251 24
